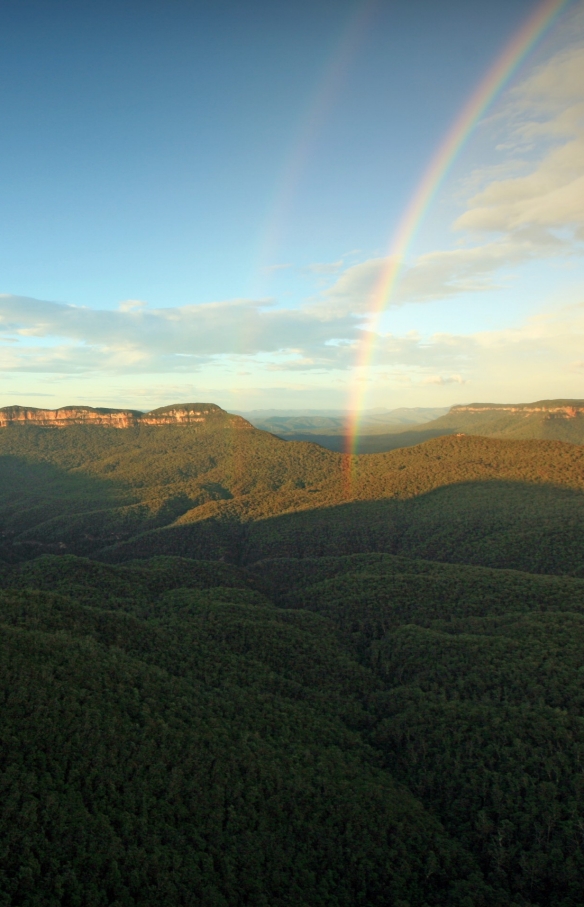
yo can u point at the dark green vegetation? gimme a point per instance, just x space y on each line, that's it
550 420
241 671
557 420
218 490
380 442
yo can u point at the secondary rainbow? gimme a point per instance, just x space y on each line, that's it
496 77
321 103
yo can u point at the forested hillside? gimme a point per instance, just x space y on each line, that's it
558 420
241 671
227 490
549 420
331 430
359 730
381 441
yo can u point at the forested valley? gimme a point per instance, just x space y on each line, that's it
245 671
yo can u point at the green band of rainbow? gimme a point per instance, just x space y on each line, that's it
492 83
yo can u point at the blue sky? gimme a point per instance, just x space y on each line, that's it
196 198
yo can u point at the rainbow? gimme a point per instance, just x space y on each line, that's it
492 83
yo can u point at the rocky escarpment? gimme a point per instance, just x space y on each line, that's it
550 420
567 409
176 414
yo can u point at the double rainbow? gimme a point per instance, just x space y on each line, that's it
494 80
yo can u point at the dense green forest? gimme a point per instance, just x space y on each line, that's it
379 442
553 420
241 671
217 491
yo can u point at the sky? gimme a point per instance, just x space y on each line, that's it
199 202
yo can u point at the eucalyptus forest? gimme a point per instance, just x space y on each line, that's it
240 670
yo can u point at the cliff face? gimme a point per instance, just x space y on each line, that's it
567 409
546 420
177 414
67 415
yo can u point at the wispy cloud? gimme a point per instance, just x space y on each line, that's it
444 379
546 111
129 304
271 269
442 274
543 352
178 338
521 208
530 206
325 267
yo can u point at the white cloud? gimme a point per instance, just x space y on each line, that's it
543 356
354 290
551 196
444 274
436 275
128 304
246 335
444 379
528 206
546 111
167 339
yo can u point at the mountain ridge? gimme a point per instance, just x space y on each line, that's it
559 420
239 659
570 407
215 491
299 425
548 420
175 413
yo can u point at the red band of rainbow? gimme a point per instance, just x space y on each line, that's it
492 83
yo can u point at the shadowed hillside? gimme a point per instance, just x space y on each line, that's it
226 490
370 444
508 525
285 676
183 732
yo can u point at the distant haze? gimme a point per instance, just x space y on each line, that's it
412 414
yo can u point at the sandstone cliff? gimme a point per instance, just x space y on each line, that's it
567 409
179 413
550 420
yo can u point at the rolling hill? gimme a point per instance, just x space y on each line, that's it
239 670
341 730
550 420
558 420
218 488
307 426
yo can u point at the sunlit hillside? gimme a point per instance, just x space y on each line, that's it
559 420
550 420
222 489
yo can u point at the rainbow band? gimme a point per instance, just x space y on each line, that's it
489 87
321 102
